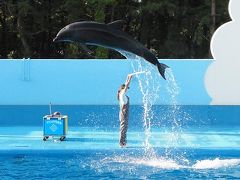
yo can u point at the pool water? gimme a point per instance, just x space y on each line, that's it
206 145
121 163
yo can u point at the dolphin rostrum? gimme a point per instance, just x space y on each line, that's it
106 35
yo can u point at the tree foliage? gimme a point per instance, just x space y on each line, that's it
171 28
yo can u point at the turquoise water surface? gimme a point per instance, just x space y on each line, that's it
205 144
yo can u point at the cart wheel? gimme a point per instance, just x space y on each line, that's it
45 138
62 138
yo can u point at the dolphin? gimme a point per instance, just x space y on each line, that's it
109 36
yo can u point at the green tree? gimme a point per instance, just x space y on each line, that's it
170 28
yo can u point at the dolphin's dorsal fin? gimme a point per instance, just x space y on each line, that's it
117 24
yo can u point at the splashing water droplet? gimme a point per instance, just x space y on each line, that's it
150 88
150 92
175 119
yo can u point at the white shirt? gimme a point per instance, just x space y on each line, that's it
123 100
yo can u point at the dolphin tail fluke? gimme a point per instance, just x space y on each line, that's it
161 68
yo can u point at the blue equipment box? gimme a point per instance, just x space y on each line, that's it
55 125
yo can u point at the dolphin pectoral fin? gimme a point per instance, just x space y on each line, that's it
86 49
161 68
117 24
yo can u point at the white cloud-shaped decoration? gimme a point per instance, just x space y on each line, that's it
222 79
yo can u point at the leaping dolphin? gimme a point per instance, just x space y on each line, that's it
106 35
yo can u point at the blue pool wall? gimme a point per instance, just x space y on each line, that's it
85 90
93 82
106 116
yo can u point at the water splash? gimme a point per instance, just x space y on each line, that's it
216 163
173 118
176 119
171 159
172 88
150 88
150 92
119 163
155 162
